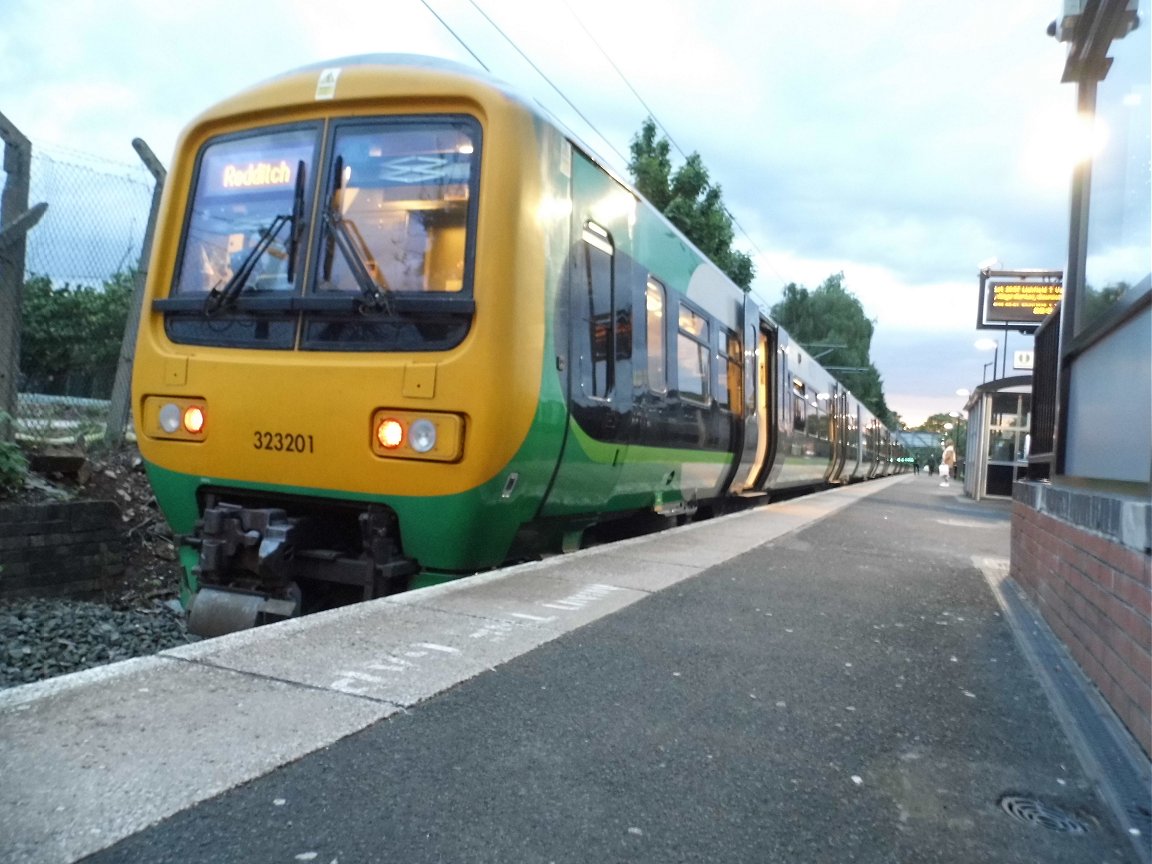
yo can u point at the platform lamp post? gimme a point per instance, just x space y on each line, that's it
987 344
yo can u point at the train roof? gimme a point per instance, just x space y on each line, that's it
409 61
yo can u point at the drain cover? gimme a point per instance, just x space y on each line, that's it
1033 812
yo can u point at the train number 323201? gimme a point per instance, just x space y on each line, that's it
283 442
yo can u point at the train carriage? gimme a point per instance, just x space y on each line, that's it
399 328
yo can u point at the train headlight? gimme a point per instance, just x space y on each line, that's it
176 418
421 435
170 417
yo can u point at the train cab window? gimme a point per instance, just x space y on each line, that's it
242 208
654 303
692 355
397 199
395 232
242 236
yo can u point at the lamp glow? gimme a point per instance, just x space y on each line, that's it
390 434
194 419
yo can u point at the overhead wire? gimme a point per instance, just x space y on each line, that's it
664 130
624 78
546 79
456 36
627 83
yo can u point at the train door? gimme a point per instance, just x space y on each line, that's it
759 400
855 442
838 433
599 334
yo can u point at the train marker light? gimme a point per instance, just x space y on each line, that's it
390 433
422 436
194 419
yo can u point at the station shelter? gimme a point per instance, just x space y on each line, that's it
997 443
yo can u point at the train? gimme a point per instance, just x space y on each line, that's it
400 327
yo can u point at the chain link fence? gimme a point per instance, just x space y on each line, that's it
81 282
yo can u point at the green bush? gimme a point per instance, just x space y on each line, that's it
72 333
13 465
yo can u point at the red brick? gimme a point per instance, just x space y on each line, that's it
1131 563
1101 574
1136 655
1134 594
1094 544
1132 624
1129 683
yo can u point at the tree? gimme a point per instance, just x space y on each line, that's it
831 325
72 333
936 423
690 201
947 426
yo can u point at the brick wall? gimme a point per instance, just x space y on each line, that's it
63 548
1083 559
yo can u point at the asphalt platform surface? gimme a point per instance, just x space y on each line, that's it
850 690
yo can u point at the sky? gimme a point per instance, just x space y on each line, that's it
904 143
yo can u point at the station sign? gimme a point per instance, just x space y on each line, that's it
1023 359
1018 299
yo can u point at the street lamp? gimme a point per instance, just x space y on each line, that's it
987 344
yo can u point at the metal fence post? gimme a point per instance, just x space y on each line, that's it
121 402
15 221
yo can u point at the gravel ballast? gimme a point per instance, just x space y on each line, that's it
43 638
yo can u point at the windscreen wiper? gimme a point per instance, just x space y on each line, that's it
344 234
219 299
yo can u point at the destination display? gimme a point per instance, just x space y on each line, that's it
1028 302
1019 300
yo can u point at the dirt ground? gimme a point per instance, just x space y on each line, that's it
152 570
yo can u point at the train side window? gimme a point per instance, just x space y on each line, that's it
692 355
654 303
600 376
729 381
799 405
822 429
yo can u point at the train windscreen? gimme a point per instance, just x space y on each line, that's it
372 248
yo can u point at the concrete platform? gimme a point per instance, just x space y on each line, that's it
446 723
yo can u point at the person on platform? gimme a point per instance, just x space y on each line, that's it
947 462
